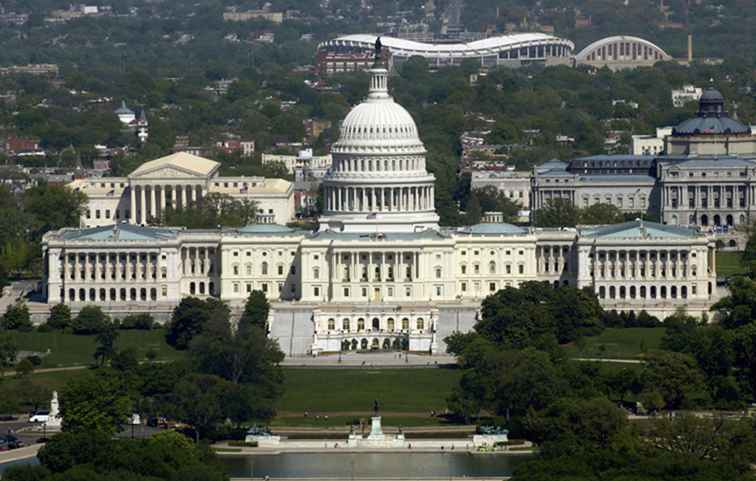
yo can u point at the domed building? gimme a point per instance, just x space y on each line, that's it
378 181
379 273
711 132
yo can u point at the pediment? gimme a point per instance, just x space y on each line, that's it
167 172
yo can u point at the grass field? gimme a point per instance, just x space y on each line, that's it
72 350
620 343
730 263
350 390
339 421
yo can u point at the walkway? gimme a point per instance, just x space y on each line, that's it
371 359
20 453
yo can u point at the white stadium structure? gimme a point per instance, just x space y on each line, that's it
512 50
621 52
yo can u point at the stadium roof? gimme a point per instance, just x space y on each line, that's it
398 45
583 54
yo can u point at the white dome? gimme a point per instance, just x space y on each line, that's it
378 122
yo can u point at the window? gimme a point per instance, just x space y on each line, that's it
408 291
236 269
420 324
463 268
492 287
463 287
364 292
264 287
439 291
249 269
264 269
476 268
345 324
438 273
236 287
521 269
360 324
97 214
316 291
331 324
346 292
280 269
316 273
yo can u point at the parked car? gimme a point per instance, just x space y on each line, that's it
39 417
12 441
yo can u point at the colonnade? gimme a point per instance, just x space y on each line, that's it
390 165
149 201
370 266
708 196
379 199
644 264
553 259
198 261
378 323
89 277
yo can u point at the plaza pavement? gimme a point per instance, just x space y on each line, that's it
370 359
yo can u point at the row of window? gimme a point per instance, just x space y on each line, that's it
114 295
492 268
376 325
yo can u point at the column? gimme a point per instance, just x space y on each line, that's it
162 199
153 202
132 195
174 199
142 205
373 198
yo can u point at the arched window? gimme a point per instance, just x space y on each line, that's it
463 268
438 273
264 269
420 324
249 269
405 324
492 267
331 324
316 273
360 324
390 324
376 323
345 324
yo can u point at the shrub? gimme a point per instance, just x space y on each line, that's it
60 317
138 321
90 320
17 318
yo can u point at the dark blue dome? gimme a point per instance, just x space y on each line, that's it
711 119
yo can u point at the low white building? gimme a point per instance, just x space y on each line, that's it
515 185
688 93
176 181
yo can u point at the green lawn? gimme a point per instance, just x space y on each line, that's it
348 390
730 263
72 350
619 343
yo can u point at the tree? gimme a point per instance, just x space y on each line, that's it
24 368
677 378
577 421
597 214
557 213
200 402
98 402
105 340
255 311
60 317
17 318
193 316
125 360
53 207
8 352
90 320
210 212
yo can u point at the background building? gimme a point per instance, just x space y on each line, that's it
507 50
621 52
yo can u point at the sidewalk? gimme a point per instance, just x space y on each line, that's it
370 360
20 453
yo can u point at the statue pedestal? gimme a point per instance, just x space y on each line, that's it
376 431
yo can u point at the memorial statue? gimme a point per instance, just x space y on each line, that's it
378 48
376 407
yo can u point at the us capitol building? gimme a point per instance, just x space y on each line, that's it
379 272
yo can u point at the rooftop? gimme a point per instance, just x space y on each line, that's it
182 161
120 232
639 230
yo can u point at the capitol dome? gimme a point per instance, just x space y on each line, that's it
378 122
378 180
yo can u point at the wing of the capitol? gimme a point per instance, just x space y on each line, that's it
380 271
